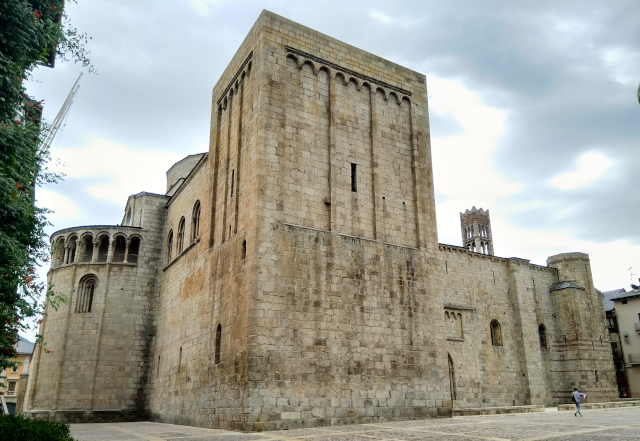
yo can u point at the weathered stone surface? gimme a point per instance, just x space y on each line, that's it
312 290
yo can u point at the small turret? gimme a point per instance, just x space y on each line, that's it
475 226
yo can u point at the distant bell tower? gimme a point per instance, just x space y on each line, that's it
476 231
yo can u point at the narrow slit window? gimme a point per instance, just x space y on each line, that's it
180 360
354 178
218 342
244 249
233 180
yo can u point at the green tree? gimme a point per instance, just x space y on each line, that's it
32 33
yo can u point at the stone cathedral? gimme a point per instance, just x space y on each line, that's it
292 276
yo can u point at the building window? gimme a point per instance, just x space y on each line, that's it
128 221
180 360
195 224
11 388
86 293
611 322
103 248
71 254
218 343
496 333
181 235
233 180
134 250
597 376
354 178
244 249
14 370
542 334
87 248
169 245
120 249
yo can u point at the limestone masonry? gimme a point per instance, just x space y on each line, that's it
292 276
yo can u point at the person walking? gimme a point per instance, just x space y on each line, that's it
577 397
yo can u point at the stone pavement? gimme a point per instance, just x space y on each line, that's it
605 424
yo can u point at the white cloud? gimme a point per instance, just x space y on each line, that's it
609 260
379 16
622 63
122 169
465 157
591 166
202 6
64 208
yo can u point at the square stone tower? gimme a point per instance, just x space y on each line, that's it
322 241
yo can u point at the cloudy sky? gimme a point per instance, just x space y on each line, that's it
533 109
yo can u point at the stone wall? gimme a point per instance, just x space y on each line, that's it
315 291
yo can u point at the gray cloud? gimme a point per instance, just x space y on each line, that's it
542 62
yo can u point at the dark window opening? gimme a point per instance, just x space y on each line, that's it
233 180
496 333
195 227
103 249
180 360
86 293
218 342
624 302
597 377
71 257
452 379
58 252
169 245
134 250
542 334
158 368
354 179
121 247
181 235
87 253
244 249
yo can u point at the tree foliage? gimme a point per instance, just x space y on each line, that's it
32 34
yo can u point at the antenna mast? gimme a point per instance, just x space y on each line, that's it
62 115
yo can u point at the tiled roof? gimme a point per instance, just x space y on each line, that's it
622 295
608 296
24 346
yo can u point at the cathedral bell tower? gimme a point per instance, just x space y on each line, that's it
475 226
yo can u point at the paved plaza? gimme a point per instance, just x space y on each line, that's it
605 424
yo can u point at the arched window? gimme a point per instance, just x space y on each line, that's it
86 293
496 333
120 249
218 343
103 248
195 222
134 250
58 252
169 246
87 248
542 334
181 235
71 253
